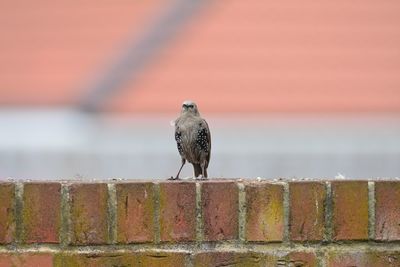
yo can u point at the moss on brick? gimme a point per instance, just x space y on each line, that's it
128 259
89 213
162 259
7 218
237 259
350 210
94 259
27 259
264 215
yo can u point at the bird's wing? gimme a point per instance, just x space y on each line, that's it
208 135
204 139
209 142
178 139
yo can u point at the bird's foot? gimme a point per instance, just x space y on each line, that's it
173 178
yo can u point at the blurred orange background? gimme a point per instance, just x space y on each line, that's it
230 56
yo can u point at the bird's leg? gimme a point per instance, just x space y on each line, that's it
180 169
203 175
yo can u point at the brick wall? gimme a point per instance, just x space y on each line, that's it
210 223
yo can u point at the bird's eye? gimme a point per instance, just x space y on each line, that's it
190 106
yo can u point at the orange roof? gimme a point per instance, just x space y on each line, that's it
49 50
243 56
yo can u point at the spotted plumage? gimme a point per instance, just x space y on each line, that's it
178 140
202 140
193 139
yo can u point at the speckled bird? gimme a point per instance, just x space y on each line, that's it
193 139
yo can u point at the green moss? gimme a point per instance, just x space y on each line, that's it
160 259
7 223
249 259
85 228
121 260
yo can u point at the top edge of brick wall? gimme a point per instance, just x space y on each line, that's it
158 180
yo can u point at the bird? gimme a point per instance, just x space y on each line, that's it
193 139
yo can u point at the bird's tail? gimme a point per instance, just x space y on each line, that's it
197 170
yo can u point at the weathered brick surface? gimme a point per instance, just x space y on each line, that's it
215 258
26 260
219 201
178 211
230 258
292 258
350 210
89 213
161 259
307 206
7 218
41 212
363 259
38 221
135 212
264 214
145 259
387 211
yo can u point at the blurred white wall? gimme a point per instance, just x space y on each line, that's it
63 144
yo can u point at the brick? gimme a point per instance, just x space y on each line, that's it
94 259
307 212
387 211
41 212
144 259
161 259
264 214
230 258
89 213
300 258
363 259
26 260
135 212
237 259
178 211
219 202
350 210
7 217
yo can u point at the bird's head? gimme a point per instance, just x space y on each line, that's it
189 107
